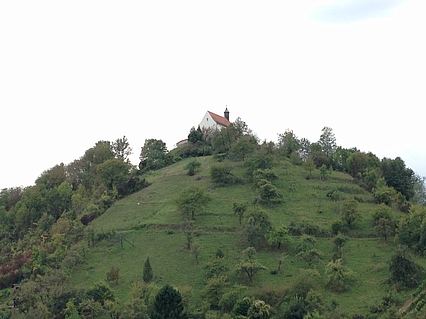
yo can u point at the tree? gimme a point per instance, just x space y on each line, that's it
310 256
327 141
195 135
244 146
288 142
148 274
168 304
113 275
404 271
121 149
309 165
278 236
419 189
338 277
100 292
191 200
339 241
192 166
267 191
221 174
114 172
305 149
350 212
398 176
139 298
323 172
259 310
214 289
411 230
384 228
196 250
153 154
249 265
239 210
215 268
384 194
257 225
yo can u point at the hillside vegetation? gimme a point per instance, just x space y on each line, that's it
223 227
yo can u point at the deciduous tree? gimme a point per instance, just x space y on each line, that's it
153 154
249 265
338 277
239 210
192 200
288 142
349 212
121 148
404 271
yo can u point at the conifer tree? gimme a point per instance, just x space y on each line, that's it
147 271
168 304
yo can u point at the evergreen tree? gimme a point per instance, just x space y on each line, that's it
147 271
168 304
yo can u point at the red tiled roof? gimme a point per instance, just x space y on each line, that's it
220 119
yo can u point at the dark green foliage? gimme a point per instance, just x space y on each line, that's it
216 268
228 301
100 292
221 174
411 230
148 274
398 176
339 226
242 306
296 309
264 174
195 135
259 161
153 155
168 304
121 148
243 147
404 271
114 172
257 225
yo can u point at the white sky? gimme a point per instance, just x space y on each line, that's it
76 72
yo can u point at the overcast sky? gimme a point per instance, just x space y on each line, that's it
76 72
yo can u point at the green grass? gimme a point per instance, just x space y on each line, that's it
151 222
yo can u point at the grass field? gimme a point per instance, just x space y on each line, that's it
148 224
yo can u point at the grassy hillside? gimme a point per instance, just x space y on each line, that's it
148 224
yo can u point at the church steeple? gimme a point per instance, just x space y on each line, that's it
226 113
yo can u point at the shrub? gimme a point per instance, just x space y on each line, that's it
221 174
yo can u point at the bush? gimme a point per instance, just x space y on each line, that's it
221 174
